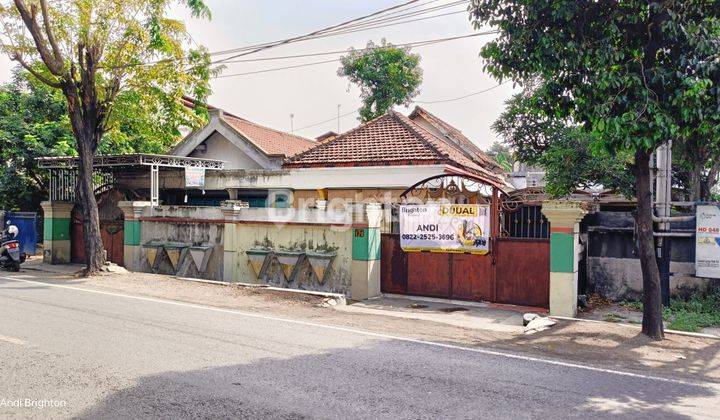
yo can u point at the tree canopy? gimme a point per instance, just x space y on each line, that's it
570 157
99 53
386 74
631 75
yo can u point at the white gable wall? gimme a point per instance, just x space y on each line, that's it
220 148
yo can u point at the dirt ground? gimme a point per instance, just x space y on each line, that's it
618 346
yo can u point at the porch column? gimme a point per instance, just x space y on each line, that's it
365 270
564 218
132 252
56 231
231 213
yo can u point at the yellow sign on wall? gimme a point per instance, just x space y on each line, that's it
445 228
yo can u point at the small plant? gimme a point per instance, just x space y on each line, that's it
700 311
632 305
613 317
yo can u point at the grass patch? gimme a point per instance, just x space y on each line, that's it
700 311
613 317
632 305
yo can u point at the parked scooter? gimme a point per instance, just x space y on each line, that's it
10 255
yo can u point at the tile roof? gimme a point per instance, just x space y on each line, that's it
467 145
392 139
271 142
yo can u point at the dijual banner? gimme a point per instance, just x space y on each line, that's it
445 228
194 177
707 247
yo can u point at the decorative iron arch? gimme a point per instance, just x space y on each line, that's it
453 186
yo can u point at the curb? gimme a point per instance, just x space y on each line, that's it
342 300
637 327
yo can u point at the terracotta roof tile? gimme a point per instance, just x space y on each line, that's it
467 145
270 141
391 139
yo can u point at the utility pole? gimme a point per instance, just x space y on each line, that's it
663 198
292 127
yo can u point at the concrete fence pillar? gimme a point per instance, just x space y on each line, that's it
132 245
56 231
564 218
365 272
231 213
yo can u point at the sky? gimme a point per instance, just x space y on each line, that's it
312 94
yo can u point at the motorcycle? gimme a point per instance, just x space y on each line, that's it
10 255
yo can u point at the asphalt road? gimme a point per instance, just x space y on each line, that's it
72 353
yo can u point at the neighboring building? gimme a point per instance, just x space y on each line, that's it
376 160
524 176
242 144
327 136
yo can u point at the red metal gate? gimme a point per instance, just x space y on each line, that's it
516 271
111 232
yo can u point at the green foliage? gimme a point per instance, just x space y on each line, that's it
143 68
387 75
569 155
700 311
502 154
33 123
631 74
633 305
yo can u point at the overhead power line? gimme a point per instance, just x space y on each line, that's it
328 120
415 102
314 63
460 97
321 31
277 69
406 44
326 32
391 16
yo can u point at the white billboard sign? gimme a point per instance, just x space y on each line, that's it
707 245
194 177
445 228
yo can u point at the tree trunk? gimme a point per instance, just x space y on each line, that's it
91 230
652 323
696 180
710 182
87 137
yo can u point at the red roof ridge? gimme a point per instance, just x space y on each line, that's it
414 128
284 133
326 143
435 120
419 130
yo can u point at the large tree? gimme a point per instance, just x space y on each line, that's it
632 74
34 123
94 52
386 74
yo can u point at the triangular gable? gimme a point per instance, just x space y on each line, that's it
217 125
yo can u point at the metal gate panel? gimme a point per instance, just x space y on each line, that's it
523 271
393 265
472 277
428 274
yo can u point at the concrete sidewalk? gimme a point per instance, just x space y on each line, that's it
35 263
477 316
